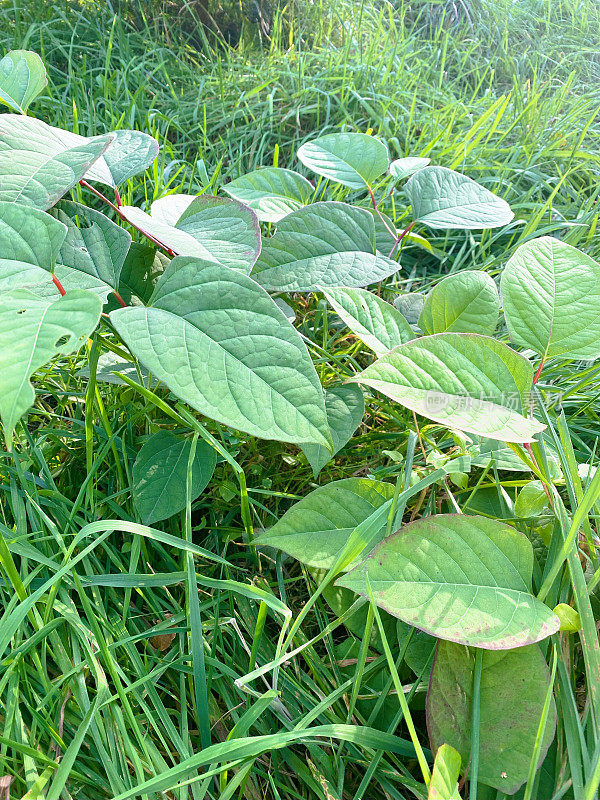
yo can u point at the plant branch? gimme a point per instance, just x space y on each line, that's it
406 231
121 215
58 285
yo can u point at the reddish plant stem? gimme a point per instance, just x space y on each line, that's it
58 285
372 196
536 377
406 231
122 302
118 200
122 216
101 196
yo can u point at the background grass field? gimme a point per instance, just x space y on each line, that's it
509 93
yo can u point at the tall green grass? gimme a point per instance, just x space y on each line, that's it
100 672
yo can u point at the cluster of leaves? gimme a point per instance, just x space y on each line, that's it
186 316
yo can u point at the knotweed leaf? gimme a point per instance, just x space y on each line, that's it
354 159
514 684
160 475
323 245
458 577
22 79
316 529
220 343
551 297
377 323
463 380
442 198
466 302
345 408
38 165
32 331
272 193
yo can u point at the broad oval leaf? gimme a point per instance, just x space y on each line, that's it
160 475
462 578
514 685
178 242
36 166
316 529
94 244
129 153
228 229
463 380
345 408
219 342
169 208
272 192
466 302
410 305
213 228
353 159
22 78
29 235
18 275
551 297
405 167
32 331
443 198
322 245
30 243
377 323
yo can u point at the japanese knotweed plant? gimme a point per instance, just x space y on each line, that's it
188 309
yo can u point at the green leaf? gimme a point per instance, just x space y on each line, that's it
22 78
272 192
463 380
32 331
405 167
228 229
462 578
177 241
212 228
322 245
129 153
551 298
160 474
570 621
442 198
377 323
219 342
345 407
514 684
30 236
466 302
19 275
410 305
316 529
168 209
31 241
36 167
444 777
353 159
141 269
94 244
531 500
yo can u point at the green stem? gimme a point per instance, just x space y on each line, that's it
400 692
475 723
